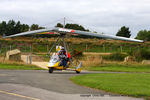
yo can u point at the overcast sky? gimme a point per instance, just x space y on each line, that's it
97 15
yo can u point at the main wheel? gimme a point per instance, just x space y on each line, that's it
77 72
51 70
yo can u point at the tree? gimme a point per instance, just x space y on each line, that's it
11 27
143 35
124 32
34 27
59 25
3 27
24 27
76 27
18 27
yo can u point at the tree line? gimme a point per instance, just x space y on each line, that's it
11 27
141 35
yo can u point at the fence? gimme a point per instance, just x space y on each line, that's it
34 48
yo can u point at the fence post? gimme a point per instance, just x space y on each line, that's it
6 48
138 48
121 48
0 48
110 49
27 59
30 57
130 49
86 47
104 48
47 48
10 47
25 48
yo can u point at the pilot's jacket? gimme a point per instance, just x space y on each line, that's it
62 54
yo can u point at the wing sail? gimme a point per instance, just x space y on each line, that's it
64 31
30 32
106 36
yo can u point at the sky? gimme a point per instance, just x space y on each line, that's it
106 16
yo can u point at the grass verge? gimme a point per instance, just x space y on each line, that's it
121 68
136 84
18 67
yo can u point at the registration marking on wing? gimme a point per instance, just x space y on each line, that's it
66 30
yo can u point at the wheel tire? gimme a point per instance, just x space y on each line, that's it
51 69
77 72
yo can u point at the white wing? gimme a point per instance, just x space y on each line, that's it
30 32
96 35
64 31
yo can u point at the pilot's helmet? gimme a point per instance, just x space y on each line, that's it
62 48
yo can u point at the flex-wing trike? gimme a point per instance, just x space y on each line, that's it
61 59
56 60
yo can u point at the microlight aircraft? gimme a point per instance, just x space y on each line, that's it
62 58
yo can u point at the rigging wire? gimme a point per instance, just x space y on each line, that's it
53 23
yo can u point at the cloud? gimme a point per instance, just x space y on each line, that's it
99 15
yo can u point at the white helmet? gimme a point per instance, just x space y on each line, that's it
62 48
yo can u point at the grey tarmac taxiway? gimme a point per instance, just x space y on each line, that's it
40 85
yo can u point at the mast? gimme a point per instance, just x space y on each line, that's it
64 22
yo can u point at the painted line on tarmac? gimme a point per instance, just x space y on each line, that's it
18 95
3 75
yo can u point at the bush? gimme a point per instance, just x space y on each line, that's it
140 54
115 56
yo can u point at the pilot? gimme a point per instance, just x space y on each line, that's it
63 57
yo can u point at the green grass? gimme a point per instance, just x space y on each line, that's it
121 68
19 67
130 84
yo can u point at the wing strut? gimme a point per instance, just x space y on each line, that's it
53 46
